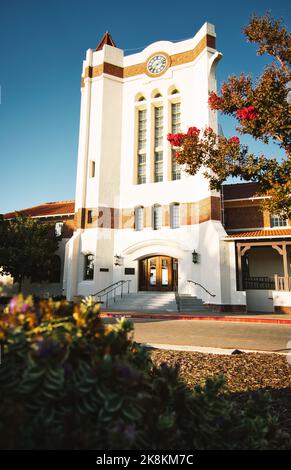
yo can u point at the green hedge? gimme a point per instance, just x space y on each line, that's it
68 381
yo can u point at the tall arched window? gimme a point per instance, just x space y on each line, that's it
173 90
156 94
139 97
176 127
141 146
139 218
175 215
157 217
88 267
158 150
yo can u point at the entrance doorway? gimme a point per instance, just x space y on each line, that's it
158 273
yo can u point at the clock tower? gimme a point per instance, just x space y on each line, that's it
138 216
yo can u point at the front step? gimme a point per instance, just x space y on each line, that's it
190 303
144 302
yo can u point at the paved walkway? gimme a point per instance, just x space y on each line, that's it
212 334
208 350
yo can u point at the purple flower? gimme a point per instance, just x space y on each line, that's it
25 308
46 347
13 304
127 373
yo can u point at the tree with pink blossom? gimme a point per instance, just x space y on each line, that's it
262 111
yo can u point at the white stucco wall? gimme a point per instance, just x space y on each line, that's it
108 136
259 301
229 293
281 298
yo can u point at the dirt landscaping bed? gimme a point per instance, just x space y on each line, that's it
244 374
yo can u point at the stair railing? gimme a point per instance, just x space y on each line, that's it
112 288
202 287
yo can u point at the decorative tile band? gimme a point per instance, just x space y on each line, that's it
138 69
191 213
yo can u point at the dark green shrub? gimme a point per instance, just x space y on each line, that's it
69 381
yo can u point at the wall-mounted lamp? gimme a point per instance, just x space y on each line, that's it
117 260
195 257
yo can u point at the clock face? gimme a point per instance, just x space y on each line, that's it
157 64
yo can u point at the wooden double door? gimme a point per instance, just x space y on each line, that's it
158 273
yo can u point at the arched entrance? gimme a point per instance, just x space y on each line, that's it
158 273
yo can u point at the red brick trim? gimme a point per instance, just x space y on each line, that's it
229 308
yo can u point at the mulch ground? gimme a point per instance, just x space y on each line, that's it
243 373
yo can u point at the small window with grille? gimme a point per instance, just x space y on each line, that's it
88 267
139 218
278 221
157 217
175 215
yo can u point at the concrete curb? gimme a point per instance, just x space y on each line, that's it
206 350
181 316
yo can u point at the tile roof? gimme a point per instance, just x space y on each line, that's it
239 190
278 232
47 209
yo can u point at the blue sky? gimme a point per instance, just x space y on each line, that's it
42 45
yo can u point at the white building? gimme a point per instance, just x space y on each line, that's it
139 217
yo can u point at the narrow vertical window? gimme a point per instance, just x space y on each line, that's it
139 218
89 217
88 267
157 217
176 127
92 169
175 215
141 146
158 151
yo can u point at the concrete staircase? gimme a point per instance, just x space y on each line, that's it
190 303
144 301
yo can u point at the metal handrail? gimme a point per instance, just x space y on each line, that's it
108 287
197 284
112 288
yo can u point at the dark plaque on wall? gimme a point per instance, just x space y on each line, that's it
104 270
129 271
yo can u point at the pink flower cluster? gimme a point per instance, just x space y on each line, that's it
175 139
234 140
247 114
208 130
193 132
214 101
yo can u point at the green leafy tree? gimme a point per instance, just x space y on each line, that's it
26 248
262 111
